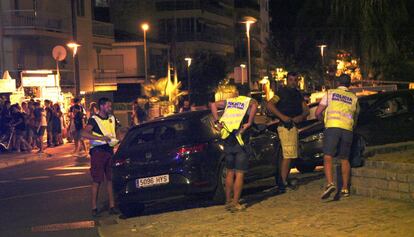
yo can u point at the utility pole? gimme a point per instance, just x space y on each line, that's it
75 39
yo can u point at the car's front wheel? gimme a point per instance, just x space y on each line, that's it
219 195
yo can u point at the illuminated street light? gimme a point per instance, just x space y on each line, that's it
74 47
145 28
249 21
189 60
322 47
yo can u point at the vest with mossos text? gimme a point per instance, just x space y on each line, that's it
107 127
341 109
234 113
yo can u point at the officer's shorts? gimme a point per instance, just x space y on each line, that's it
337 142
236 158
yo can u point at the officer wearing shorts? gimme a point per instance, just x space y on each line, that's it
232 125
340 109
100 130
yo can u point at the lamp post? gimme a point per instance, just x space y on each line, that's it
249 21
145 27
188 59
74 47
242 66
322 48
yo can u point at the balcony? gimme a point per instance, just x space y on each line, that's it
103 29
15 20
105 77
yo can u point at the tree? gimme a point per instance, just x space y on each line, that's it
207 70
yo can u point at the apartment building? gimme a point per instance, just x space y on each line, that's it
188 26
30 29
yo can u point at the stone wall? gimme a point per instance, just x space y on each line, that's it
387 180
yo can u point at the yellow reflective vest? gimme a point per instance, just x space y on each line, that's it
107 127
341 110
233 115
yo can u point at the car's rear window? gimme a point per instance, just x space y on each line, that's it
160 132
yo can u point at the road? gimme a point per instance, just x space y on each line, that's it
47 198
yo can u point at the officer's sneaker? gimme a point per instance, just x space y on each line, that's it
330 188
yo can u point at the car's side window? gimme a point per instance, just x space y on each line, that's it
392 106
145 135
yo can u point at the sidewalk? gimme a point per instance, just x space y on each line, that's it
12 159
296 213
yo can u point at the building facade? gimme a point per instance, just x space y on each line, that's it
30 29
188 26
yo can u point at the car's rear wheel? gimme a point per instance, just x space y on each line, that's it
219 196
131 209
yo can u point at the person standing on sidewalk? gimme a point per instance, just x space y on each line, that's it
290 107
340 108
49 117
77 114
232 125
100 130
40 125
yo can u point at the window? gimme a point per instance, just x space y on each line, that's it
393 106
172 131
144 136
101 3
80 7
111 62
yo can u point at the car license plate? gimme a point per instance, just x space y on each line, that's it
152 181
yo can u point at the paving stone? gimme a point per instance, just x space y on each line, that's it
393 186
404 187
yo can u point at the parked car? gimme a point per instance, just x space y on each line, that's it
183 155
384 118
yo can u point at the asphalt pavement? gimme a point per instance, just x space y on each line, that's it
47 195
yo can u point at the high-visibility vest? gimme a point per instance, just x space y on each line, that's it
234 113
107 127
341 109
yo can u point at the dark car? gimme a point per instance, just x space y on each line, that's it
384 118
182 155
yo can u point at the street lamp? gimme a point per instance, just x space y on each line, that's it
248 21
322 47
145 27
242 66
74 47
188 59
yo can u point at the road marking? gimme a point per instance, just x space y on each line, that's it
5 181
70 167
33 178
42 193
71 174
64 226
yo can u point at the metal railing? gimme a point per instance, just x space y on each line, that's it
102 29
23 19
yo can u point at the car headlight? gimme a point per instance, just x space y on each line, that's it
313 138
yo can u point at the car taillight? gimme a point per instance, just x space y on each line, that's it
182 151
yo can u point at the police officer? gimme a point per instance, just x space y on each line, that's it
232 125
340 108
100 130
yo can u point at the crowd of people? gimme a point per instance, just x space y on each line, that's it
24 126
